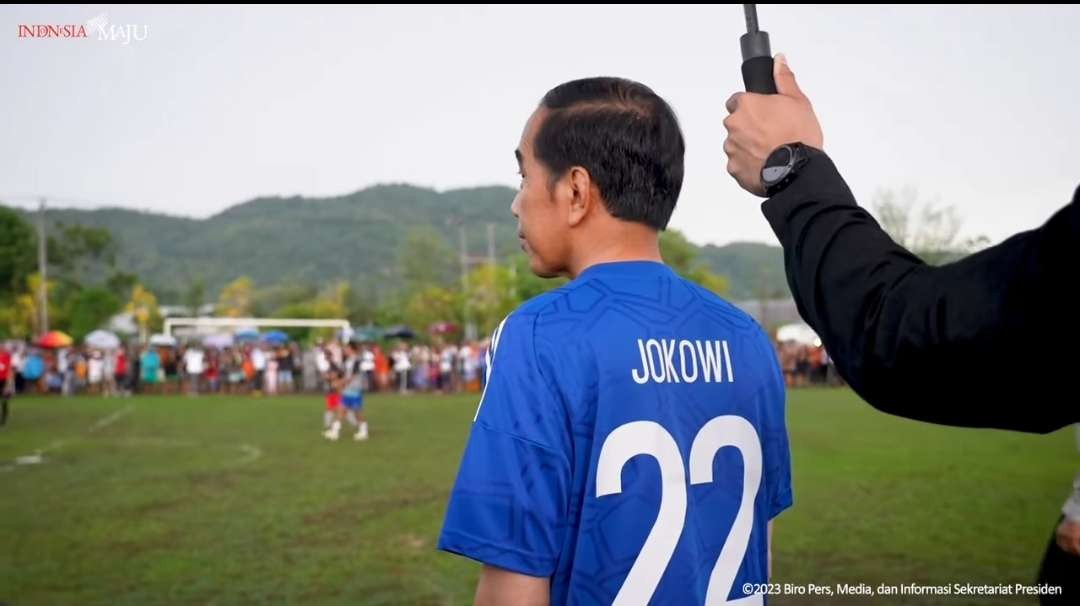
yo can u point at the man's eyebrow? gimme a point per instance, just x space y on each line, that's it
517 154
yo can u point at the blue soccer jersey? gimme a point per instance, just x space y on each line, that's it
630 444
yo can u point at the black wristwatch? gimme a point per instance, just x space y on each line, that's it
783 165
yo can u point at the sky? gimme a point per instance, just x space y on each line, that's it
972 106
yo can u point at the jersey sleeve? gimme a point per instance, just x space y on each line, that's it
776 451
509 504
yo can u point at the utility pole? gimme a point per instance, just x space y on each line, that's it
43 263
464 274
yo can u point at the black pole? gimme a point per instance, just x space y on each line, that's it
757 66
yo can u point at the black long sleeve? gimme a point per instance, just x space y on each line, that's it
975 343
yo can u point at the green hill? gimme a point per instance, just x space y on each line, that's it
356 237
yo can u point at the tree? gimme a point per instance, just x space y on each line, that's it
431 305
298 310
362 303
490 297
194 296
268 301
933 236
391 310
330 304
678 253
90 309
18 252
425 259
143 307
22 319
526 284
25 318
705 278
236 298
681 256
79 251
120 284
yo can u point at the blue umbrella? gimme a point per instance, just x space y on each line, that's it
246 334
276 337
33 368
399 332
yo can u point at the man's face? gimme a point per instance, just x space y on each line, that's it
541 212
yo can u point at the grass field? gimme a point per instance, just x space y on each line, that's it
219 500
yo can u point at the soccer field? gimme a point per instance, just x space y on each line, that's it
223 500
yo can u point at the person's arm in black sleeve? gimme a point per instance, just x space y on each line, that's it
973 343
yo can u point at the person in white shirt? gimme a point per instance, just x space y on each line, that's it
258 362
95 371
108 380
270 376
446 369
402 366
194 361
367 368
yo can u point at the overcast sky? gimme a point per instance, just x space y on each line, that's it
975 106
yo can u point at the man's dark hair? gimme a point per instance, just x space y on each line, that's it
625 135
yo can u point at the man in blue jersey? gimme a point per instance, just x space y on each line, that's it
630 445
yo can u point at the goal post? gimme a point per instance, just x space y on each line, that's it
172 323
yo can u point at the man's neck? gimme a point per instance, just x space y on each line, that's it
633 242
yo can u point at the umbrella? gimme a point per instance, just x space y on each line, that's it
757 66
218 340
33 368
102 339
399 332
366 334
799 333
443 328
276 337
163 340
246 334
54 339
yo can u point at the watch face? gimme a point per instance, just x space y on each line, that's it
777 165
772 174
781 156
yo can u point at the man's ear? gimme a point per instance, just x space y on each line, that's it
582 195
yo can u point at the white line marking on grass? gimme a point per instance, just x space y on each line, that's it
109 420
54 445
250 454
37 458
137 441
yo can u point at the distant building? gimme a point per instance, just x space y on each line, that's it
184 311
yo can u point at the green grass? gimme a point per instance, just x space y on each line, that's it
221 500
